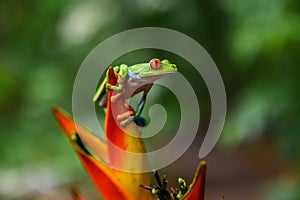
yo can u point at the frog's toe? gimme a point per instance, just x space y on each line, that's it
116 97
124 116
126 122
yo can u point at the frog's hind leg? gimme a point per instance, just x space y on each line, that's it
133 115
137 118
103 101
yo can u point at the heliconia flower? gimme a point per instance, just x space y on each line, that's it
193 192
104 162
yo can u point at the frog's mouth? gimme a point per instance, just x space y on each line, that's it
159 74
153 77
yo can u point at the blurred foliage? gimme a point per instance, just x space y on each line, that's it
255 44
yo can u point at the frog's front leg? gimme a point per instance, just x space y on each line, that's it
119 88
120 91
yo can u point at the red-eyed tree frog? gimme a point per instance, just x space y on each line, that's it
131 81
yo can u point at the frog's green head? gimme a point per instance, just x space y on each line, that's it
154 68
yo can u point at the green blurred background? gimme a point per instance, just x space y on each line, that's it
255 44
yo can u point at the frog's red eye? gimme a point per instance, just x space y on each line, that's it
155 63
